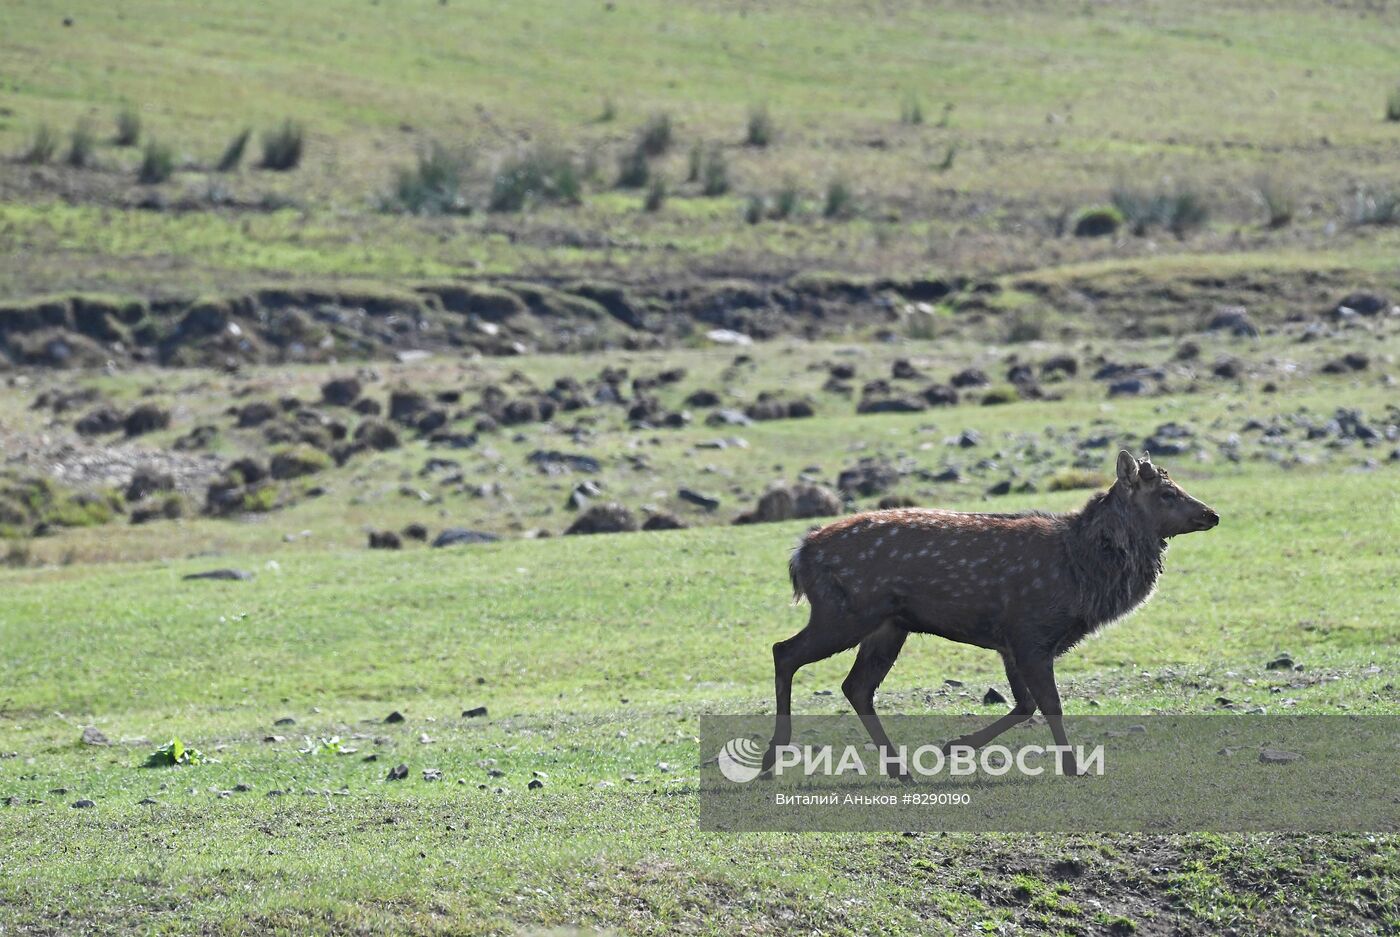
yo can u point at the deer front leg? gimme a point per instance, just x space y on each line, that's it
1023 710
1039 673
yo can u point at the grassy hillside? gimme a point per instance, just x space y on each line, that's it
1028 114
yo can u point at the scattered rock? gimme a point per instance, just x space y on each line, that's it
397 773
432 774
93 736
476 712
341 392
83 804
234 575
1282 662
992 697
535 784
663 521
970 377
554 463
691 496
147 418
394 717
458 535
384 540
1277 756
1233 319
868 477
610 518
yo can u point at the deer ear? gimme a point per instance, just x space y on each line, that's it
1127 468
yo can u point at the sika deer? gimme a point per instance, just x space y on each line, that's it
1028 586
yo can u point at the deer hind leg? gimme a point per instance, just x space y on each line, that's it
873 661
1024 708
827 633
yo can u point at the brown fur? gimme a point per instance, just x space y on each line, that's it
1029 586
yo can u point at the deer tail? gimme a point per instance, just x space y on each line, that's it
795 571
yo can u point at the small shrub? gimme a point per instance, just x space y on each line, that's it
157 163
1024 327
656 136
1073 479
947 116
633 169
840 199
755 209
41 147
948 156
174 753
997 396
714 174
609 111
1277 198
1179 210
1098 221
696 164
656 194
1392 104
911 112
434 185
233 153
761 130
128 127
282 146
1374 208
540 174
17 554
82 147
788 200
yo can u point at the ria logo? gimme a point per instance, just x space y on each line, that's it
741 760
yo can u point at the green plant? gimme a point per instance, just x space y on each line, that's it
41 147
656 135
174 753
157 163
233 153
1097 221
1392 104
633 169
950 154
1277 198
1179 209
434 185
911 112
128 127
760 129
1374 208
656 194
282 146
714 174
696 163
840 199
755 209
788 200
82 147
540 174
1074 479
609 111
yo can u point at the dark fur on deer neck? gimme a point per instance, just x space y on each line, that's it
1113 557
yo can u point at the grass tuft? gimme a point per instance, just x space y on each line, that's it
911 112
128 127
608 112
233 153
1278 199
1180 209
657 135
714 173
656 194
755 209
157 163
633 168
283 146
788 200
1075 479
1392 104
82 147
538 175
761 130
434 185
840 199
41 147
1374 208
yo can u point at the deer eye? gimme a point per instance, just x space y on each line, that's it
1170 495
